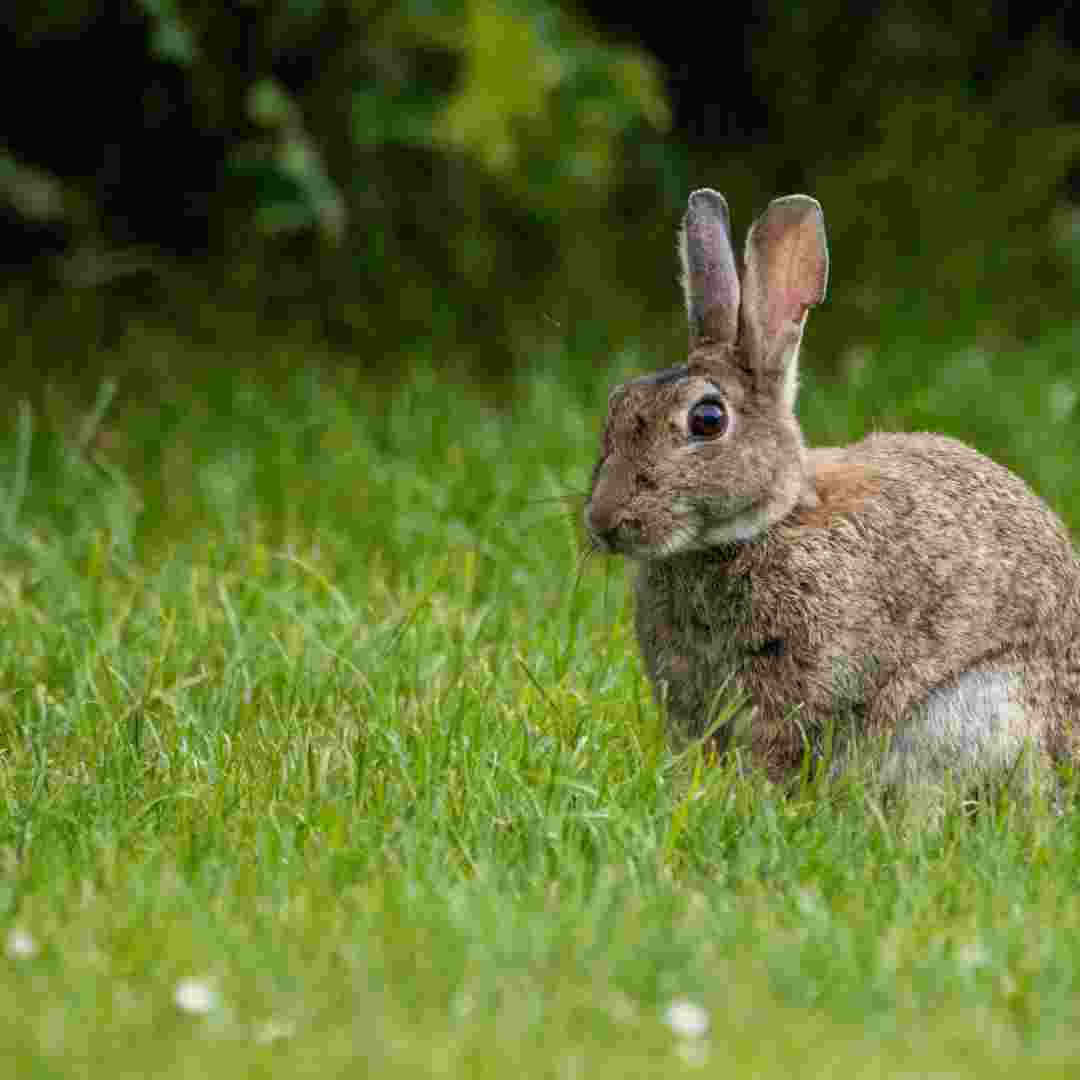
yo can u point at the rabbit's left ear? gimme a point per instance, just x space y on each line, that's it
710 280
785 273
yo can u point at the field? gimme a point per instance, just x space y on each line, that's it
321 753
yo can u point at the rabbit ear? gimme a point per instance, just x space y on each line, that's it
710 281
786 270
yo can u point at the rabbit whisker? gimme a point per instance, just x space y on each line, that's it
567 497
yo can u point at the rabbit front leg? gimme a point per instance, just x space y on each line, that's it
681 684
693 667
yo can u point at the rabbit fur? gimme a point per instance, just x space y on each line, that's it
904 592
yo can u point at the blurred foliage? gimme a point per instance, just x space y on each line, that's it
941 139
376 173
487 176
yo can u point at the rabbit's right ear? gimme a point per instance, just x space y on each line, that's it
710 280
785 273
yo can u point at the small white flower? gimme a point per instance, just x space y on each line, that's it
1062 399
686 1018
971 956
196 996
20 945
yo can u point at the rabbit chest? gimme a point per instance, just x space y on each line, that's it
748 622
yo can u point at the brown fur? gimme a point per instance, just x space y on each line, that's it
842 488
904 586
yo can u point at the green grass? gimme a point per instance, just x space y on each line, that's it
302 698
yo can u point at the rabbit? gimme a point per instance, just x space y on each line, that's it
903 593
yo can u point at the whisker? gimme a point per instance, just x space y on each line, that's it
571 496
540 514
572 499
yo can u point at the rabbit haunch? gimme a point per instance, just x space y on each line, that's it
905 586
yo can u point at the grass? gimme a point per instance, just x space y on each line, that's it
318 757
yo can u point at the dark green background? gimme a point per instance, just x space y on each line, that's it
492 183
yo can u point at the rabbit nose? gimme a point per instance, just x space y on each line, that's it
605 525
611 528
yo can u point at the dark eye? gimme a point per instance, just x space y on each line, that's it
708 419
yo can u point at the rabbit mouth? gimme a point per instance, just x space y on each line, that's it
631 539
680 542
691 526
623 538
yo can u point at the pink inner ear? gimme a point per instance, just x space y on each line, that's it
791 263
712 281
715 286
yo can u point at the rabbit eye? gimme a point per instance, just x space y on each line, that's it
708 419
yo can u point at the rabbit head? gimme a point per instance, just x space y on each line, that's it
710 452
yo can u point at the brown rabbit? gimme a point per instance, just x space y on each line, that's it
904 587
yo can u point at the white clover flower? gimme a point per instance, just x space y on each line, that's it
196 996
972 955
20 944
1062 399
687 1019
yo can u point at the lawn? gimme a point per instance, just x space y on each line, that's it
322 753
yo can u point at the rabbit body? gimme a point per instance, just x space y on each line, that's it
910 601
905 587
